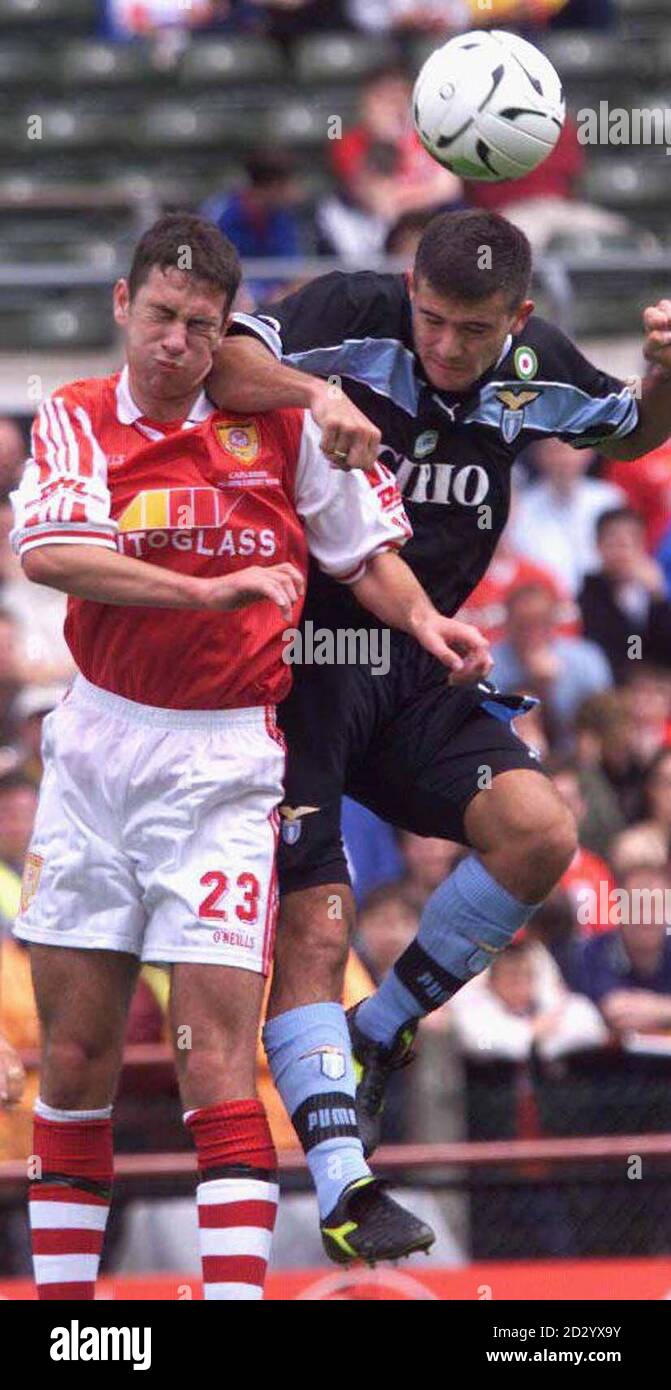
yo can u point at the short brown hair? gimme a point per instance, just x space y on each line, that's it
213 258
449 256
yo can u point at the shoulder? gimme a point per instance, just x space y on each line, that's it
381 296
557 358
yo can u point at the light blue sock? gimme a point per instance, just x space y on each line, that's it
467 921
310 1059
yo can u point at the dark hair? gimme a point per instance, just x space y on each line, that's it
450 256
213 258
614 514
268 164
413 221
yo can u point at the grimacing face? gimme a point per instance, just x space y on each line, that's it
457 341
172 327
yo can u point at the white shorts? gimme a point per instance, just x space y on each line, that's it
156 831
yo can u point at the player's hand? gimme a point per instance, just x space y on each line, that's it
282 584
349 440
12 1074
657 344
459 646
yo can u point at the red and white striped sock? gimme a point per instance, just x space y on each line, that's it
237 1197
69 1201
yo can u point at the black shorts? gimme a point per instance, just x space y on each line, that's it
406 744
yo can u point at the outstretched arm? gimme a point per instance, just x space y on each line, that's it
654 425
390 590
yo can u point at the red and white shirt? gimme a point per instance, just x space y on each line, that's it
207 496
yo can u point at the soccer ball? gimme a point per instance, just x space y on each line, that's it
488 105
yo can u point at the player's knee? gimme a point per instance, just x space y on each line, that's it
79 1072
547 842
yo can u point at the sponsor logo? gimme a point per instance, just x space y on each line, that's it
205 541
526 363
241 439
425 443
331 1117
32 871
243 940
331 1061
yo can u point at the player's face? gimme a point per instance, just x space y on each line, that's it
458 341
172 327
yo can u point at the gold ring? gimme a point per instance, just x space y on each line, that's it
340 453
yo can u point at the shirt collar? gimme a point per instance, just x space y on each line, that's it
128 413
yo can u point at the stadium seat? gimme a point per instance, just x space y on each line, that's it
90 63
643 9
583 57
175 124
234 61
67 16
625 183
324 58
25 65
64 128
76 322
299 123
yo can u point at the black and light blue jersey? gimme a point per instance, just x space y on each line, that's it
452 453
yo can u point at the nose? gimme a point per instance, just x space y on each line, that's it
174 339
449 345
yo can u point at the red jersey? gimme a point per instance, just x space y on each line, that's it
207 496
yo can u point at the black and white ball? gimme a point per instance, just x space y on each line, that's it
488 105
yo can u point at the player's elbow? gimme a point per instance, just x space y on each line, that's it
39 564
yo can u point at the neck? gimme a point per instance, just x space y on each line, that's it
157 407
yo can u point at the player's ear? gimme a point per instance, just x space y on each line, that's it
523 315
121 302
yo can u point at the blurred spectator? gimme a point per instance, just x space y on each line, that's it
624 606
544 203
554 925
646 483
627 971
520 1005
128 19
415 180
533 658
371 846
13 453
554 522
427 862
387 923
11 671
585 14
605 743
285 20
508 571
18 803
259 219
657 800
593 801
641 844
352 222
587 871
41 654
646 696
32 703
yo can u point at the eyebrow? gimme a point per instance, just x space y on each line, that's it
193 318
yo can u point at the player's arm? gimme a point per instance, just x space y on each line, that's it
389 589
248 373
654 417
105 576
354 522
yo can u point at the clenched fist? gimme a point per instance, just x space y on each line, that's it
657 345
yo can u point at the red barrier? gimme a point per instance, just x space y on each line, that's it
537 1281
